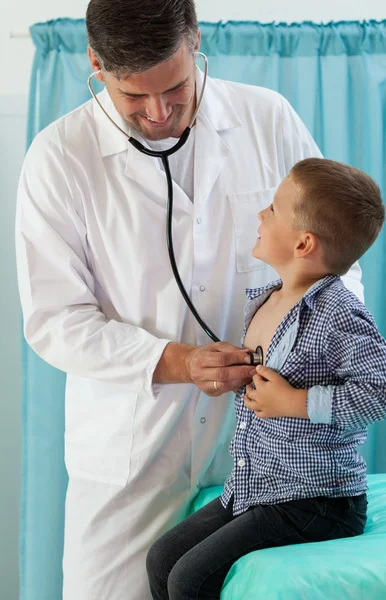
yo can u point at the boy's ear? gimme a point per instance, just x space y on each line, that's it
306 245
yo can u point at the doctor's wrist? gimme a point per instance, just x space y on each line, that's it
173 366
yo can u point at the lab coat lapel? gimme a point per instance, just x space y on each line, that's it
147 171
209 158
143 169
217 115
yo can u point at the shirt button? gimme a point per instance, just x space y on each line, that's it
198 221
202 288
241 463
202 420
243 425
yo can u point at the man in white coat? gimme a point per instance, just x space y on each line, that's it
149 408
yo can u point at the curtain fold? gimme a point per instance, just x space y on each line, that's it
335 77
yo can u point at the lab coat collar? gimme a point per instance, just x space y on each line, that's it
110 140
216 115
216 110
216 106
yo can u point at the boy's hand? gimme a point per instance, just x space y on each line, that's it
274 396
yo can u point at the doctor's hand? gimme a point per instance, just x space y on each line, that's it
273 396
219 368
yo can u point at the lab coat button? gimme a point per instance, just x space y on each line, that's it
198 221
202 420
202 288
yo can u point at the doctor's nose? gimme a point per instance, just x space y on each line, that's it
157 109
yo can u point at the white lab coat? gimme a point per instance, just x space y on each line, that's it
100 303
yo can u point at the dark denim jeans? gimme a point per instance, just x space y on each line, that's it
191 561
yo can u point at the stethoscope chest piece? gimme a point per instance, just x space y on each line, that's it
257 357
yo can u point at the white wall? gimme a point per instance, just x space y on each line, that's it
16 57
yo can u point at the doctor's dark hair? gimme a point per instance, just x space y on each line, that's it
341 205
132 36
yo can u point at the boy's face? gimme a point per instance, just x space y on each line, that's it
277 238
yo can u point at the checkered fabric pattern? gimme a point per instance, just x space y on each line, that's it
328 344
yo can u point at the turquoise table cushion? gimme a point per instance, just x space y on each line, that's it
347 569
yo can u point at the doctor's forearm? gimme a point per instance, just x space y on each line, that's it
82 342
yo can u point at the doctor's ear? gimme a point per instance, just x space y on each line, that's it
95 65
306 245
198 41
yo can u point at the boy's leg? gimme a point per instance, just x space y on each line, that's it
200 572
167 551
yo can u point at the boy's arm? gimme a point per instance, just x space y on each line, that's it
356 353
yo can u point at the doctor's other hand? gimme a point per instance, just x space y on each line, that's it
272 396
219 368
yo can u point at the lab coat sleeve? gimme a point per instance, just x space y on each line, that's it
62 320
352 281
356 353
296 141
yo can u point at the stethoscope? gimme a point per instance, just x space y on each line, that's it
255 357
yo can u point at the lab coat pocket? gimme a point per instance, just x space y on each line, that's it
245 207
99 430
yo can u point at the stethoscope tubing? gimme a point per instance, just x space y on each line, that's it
255 357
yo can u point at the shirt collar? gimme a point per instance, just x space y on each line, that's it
309 297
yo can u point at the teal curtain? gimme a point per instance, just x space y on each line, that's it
335 77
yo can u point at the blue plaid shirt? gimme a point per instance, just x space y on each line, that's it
328 344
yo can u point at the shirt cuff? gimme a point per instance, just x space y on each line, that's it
153 389
319 403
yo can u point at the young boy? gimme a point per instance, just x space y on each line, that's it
297 475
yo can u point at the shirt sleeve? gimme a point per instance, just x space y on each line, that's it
319 400
356 353
63 321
